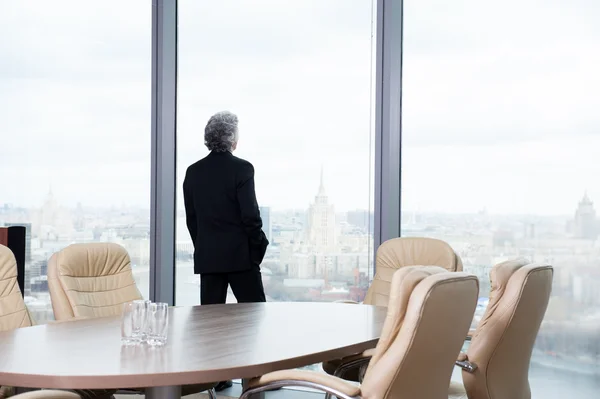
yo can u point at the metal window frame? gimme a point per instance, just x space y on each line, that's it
388 120
388 137
164 151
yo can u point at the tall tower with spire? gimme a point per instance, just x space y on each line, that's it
585 224
50 209
321 184
321 232
321 227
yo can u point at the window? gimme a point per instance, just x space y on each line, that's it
500 144
75 130
298 75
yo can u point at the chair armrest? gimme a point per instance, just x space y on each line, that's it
359 358
463 362
368 353
347 301
302 378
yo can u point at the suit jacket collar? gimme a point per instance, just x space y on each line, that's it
220 153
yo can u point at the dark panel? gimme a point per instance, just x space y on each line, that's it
17 243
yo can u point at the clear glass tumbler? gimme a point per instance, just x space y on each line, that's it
127 324
157 324
140 319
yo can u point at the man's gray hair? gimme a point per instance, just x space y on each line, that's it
221 131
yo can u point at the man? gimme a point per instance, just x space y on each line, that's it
224 220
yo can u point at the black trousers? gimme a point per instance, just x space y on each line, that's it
247 287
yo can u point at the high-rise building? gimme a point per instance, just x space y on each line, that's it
265 214
321 230
585 224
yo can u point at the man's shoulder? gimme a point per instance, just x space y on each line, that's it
193 167
214 164
242 163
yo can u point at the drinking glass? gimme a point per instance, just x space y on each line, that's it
141 309
157 324
139 319
127 324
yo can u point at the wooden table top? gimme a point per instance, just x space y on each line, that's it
206 343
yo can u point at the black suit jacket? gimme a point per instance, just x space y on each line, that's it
222 214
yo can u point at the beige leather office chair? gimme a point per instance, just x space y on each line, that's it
95 280
13 312
407 251
90 280
429 314
496 365
391 256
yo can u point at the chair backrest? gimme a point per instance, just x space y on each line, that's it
429 314
13 312
90 280
407 251
503 341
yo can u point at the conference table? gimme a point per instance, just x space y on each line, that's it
205 344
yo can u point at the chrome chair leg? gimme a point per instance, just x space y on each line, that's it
212 394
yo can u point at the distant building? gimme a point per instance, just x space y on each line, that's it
37 277
265 214
79 222
52 222
321 232
362 219
503 238
585 224
321 222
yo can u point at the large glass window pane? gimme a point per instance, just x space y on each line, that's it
75 130
299 77
500 146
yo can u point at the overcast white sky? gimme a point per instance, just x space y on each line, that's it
500 100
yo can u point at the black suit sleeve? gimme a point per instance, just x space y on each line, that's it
190 211
249 207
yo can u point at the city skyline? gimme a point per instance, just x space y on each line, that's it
74 203
300 266
320 232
